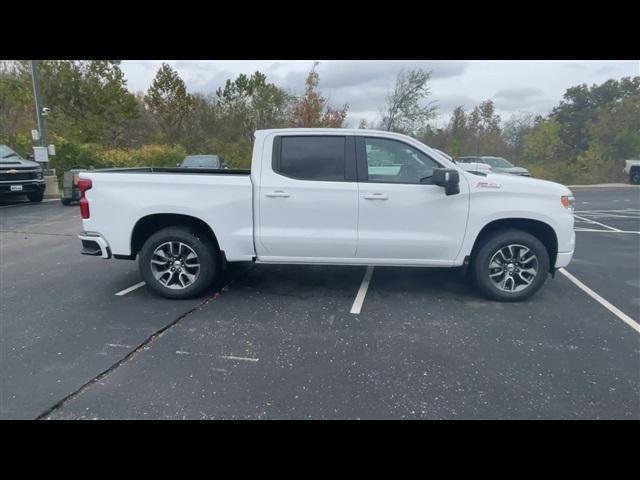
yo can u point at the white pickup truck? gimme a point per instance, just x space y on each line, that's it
329 196
632 168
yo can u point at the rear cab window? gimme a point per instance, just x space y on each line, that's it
329 158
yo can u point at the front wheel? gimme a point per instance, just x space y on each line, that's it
36 196
634 176
510 266
178 262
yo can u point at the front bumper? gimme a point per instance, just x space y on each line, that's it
94 244
27 187
563 259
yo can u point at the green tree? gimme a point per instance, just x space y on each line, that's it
247 104
582 104
484 126
89 100
169 102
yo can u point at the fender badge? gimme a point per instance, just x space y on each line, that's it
487 185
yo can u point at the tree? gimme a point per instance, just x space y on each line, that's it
516 129
250 103
581 105
311 110
459 132
407 109
89 100
484 126
16 108
168 100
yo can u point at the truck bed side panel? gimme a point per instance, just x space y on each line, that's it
117 201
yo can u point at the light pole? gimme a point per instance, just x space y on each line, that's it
41 111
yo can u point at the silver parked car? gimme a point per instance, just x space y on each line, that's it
497 164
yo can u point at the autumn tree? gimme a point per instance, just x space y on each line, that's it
168 100
407 109
312 110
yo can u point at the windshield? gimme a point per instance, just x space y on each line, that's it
201 161
498 162
8 155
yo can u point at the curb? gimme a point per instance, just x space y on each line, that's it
605 185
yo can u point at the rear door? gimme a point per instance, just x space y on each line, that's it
309 199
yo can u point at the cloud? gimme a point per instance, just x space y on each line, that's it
518 93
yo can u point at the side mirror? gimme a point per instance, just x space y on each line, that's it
177 164
447 178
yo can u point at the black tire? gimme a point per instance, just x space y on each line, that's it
489 247
36 196
634 176
208 257
66 201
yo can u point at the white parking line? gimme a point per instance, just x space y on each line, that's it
362 292
613 309
130 289
242 359
587 220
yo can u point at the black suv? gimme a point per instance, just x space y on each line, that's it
20 176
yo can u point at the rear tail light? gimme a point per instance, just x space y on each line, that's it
84 184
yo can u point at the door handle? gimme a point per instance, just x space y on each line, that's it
376 196
278 193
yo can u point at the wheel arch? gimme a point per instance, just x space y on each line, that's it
150 224
539 229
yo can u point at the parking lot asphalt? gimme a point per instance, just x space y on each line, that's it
281 341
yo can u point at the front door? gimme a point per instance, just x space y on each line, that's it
404 218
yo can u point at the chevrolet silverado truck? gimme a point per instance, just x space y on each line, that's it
20 176
329 197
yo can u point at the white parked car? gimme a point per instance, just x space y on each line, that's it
329 196
632 168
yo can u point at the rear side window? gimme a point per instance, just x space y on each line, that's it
311 157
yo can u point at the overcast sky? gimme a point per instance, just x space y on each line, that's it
526 86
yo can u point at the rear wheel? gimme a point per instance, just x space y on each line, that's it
634 176
178 262
36 196
510 265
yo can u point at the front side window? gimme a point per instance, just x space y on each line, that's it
396 162
312 158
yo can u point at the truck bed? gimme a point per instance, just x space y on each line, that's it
222 198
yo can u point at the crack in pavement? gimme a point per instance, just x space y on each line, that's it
142 346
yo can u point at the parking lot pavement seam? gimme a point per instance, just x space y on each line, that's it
38 233
142 346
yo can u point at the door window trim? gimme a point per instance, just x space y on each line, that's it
350 172
363 167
